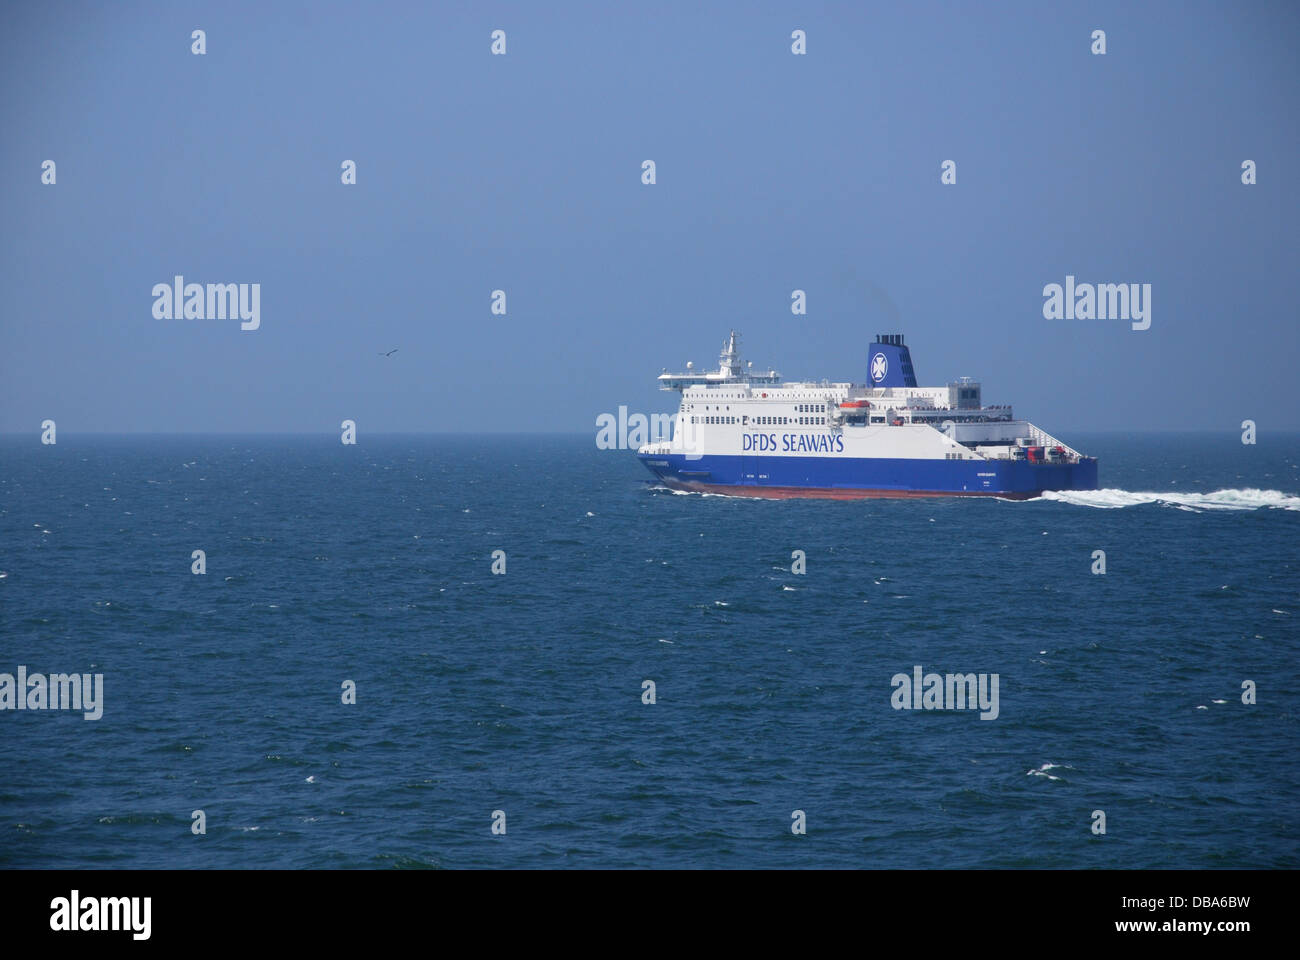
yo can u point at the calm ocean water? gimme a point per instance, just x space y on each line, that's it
523 692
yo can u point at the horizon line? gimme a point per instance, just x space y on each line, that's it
507 433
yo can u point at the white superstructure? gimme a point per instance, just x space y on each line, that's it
735 411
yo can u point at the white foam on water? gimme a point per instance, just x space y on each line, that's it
702 493
1249 498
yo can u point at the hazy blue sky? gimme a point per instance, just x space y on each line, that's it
523 172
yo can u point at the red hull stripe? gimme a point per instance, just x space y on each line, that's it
835 493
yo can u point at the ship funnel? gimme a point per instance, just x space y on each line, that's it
889 363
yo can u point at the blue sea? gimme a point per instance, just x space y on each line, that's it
523 692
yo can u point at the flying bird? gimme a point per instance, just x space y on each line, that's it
390 352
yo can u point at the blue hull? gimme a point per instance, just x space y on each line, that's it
844 478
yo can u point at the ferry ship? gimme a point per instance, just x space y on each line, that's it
749 433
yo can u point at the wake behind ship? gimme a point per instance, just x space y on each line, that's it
751 434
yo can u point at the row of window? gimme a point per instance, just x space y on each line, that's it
780 421
799 408
765 421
